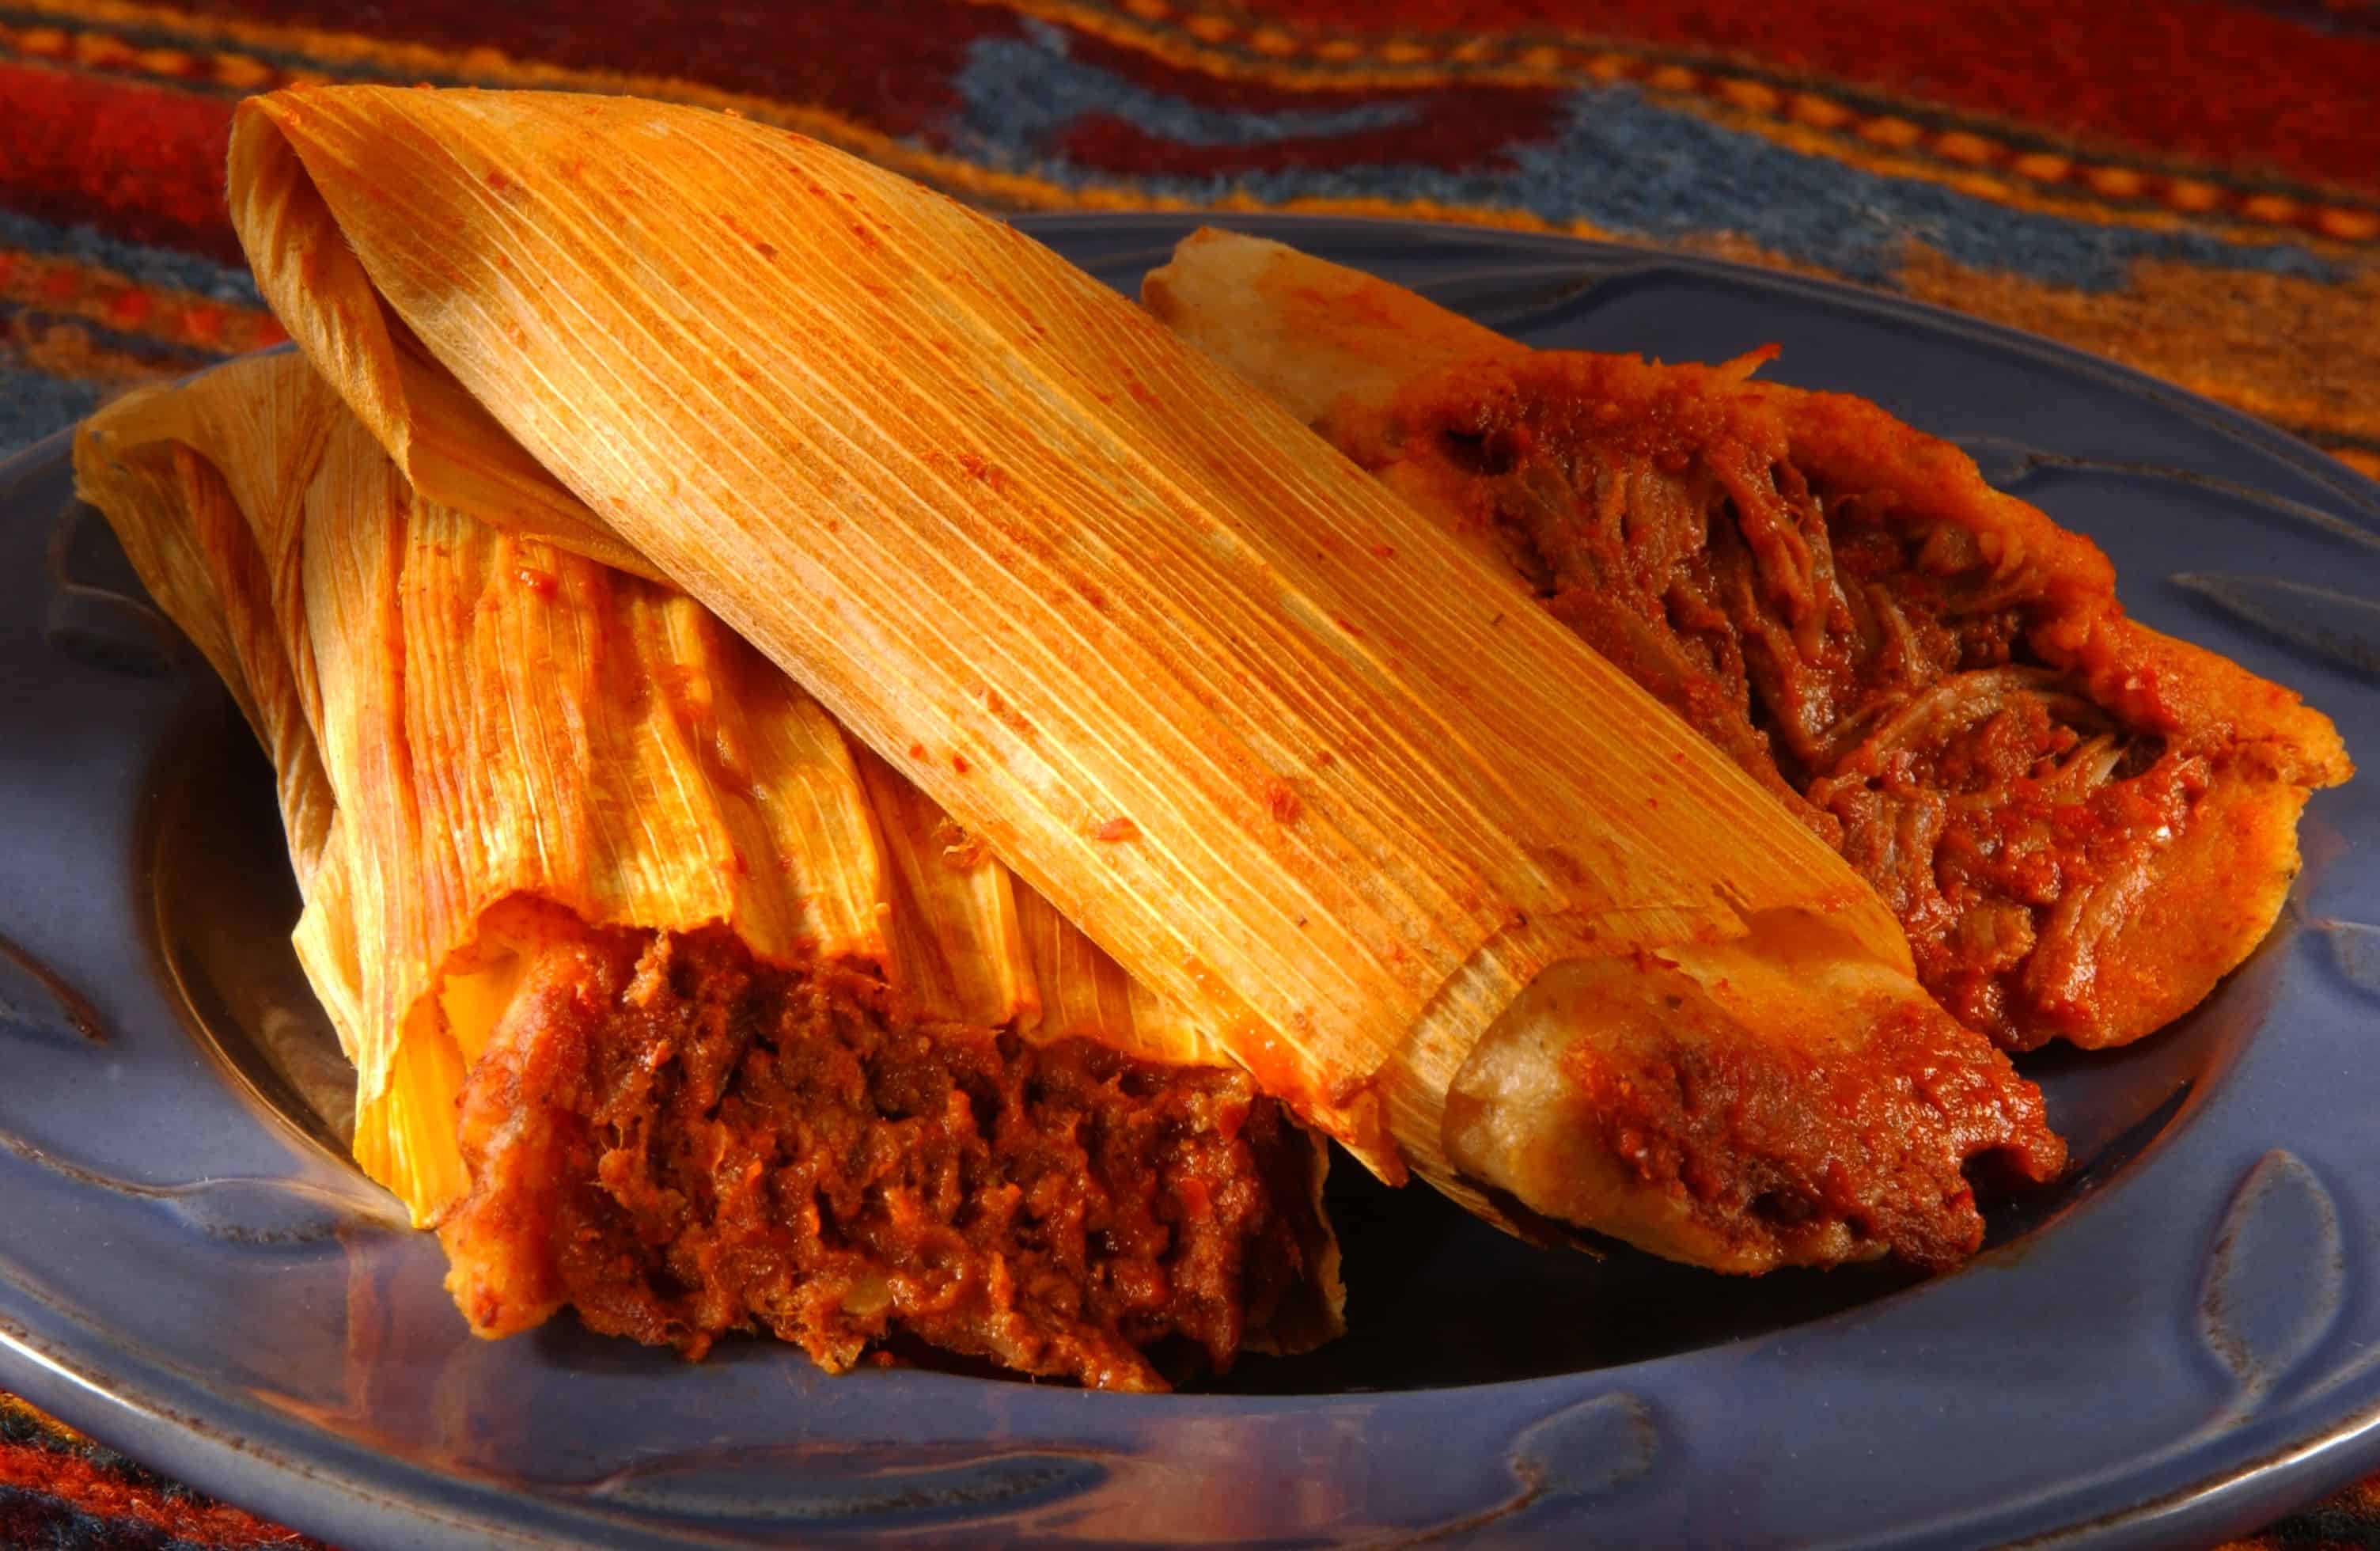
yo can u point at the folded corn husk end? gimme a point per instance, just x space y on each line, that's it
351 620
446 444
534 747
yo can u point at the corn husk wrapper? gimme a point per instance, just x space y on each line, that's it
1312 774
472 728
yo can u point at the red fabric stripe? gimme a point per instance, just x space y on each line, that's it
1247 93
2232 86
108 1493
139 162
1455 127
888 62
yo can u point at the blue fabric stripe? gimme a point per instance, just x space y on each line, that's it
1622 163
33 403
149 266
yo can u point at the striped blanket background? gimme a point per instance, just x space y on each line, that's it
2192 189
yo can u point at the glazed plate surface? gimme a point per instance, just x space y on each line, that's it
2181 1342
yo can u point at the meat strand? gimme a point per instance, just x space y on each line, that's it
679 1141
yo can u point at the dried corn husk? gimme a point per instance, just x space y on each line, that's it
1307 770
471 727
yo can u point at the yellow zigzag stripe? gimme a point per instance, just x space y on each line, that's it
1802 121
1876 156
493 67
342 53
1807 122
1217 44
68 353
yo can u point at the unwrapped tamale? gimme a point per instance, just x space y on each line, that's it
1316 775
665 1004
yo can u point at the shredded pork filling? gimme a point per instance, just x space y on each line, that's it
1869 667
678 1142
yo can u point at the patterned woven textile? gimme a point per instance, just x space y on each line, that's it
2193 189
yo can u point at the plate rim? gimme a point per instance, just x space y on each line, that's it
145 1423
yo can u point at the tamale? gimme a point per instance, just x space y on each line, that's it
1328 786
2082 824
661 1008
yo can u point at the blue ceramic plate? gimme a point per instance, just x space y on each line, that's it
2182 1340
